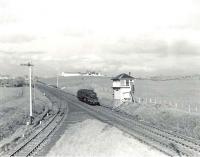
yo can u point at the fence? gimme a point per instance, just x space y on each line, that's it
183 105
7 96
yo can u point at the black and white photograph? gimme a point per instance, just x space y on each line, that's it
100 78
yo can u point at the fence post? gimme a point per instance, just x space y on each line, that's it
177 123
189 108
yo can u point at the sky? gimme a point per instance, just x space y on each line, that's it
145 37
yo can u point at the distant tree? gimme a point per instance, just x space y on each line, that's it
19 82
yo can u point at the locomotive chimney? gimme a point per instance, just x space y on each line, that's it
129 73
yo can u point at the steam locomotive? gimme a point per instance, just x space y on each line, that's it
88 96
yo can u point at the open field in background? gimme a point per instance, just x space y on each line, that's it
176 93
9 94
166 116
177 90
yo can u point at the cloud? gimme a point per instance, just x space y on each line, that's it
16 38
127 36
3 4
3 52
156 48
18 53
184 48
7 19
34 52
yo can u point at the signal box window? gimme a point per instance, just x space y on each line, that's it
127 82
122 82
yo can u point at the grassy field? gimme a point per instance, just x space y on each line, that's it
178 119
179 91
8 94
182 92
14 111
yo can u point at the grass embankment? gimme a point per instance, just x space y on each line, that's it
14 113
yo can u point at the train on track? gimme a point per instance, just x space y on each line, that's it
88 96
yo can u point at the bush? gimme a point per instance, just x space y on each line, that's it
16 82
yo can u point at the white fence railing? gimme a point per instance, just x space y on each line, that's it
183 105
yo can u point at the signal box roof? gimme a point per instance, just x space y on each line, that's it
123 76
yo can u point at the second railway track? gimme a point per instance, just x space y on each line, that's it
35 140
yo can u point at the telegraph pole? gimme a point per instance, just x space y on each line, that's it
33 87
34 91
57 80
30 89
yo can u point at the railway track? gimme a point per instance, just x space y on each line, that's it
30 145
180 144
130 128
170 143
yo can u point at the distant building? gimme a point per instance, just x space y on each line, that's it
88 73
4 77
92 73
68 74
123 88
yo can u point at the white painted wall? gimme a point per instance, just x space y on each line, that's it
70 74
123 93
116 83
117 94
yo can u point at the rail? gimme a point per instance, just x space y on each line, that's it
31 144
168 142
156 137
